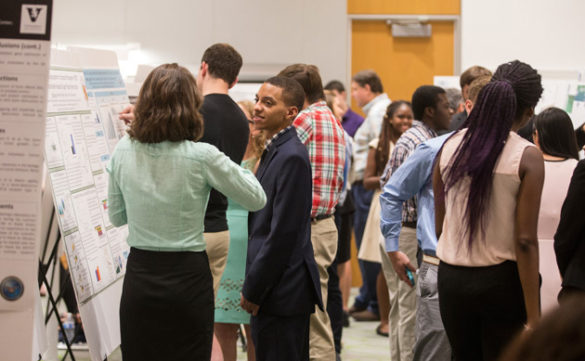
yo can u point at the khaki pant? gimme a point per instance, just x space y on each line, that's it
324 240
218 245
402 317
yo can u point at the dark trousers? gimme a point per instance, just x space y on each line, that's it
367 297
166 310
280 338
344 223
335 305
67 290
482 308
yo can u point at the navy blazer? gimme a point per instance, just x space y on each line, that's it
281 273
570 237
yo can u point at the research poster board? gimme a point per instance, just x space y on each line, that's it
25 33
86 93
566 94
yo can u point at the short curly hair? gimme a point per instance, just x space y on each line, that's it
223 62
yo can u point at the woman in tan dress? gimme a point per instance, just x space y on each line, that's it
397 120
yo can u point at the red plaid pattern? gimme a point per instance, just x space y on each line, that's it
322 134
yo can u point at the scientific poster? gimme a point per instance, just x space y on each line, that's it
25 32
77 148
82 129
576 104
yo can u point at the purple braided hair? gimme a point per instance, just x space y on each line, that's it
514 88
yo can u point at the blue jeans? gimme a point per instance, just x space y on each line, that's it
367 297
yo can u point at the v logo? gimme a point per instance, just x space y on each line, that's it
33 13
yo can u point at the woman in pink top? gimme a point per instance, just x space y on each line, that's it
487 183
555 137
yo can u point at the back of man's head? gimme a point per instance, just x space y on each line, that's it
292 92
223 62
471 74
370 78
477 85
335 85
308 77
425 96
455 98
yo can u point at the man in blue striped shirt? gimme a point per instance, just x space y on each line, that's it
431 109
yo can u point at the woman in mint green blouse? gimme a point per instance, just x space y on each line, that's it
159 184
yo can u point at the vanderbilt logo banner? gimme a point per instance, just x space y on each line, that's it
25 19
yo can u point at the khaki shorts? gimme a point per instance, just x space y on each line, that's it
218 245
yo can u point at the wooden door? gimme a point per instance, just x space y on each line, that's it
403 64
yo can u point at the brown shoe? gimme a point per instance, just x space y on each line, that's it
353 309
365 315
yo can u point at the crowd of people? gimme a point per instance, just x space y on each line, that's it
243 214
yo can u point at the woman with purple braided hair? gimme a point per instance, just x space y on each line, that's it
488 182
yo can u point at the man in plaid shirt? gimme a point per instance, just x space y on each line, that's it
322 134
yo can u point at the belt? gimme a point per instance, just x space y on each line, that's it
321 217
409 224
430 259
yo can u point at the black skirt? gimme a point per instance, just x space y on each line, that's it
166 310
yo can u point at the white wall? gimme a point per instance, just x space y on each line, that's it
543 33
273 32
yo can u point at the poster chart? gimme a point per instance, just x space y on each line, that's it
576 104
82 129
25 29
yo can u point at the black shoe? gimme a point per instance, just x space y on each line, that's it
380 332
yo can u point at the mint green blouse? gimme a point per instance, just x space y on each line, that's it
161 191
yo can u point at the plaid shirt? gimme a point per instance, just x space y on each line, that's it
406 144
274 137
322 134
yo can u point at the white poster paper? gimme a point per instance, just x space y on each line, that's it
25 29
82 129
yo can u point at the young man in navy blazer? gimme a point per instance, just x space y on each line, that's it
282 286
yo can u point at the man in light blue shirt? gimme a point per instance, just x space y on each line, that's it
413 178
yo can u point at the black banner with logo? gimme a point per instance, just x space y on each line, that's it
26 19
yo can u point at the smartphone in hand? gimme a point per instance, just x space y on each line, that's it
410 276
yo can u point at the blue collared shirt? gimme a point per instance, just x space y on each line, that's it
412 178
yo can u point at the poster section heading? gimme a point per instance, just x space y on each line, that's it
82 130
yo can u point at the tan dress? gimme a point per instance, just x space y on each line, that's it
372 238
